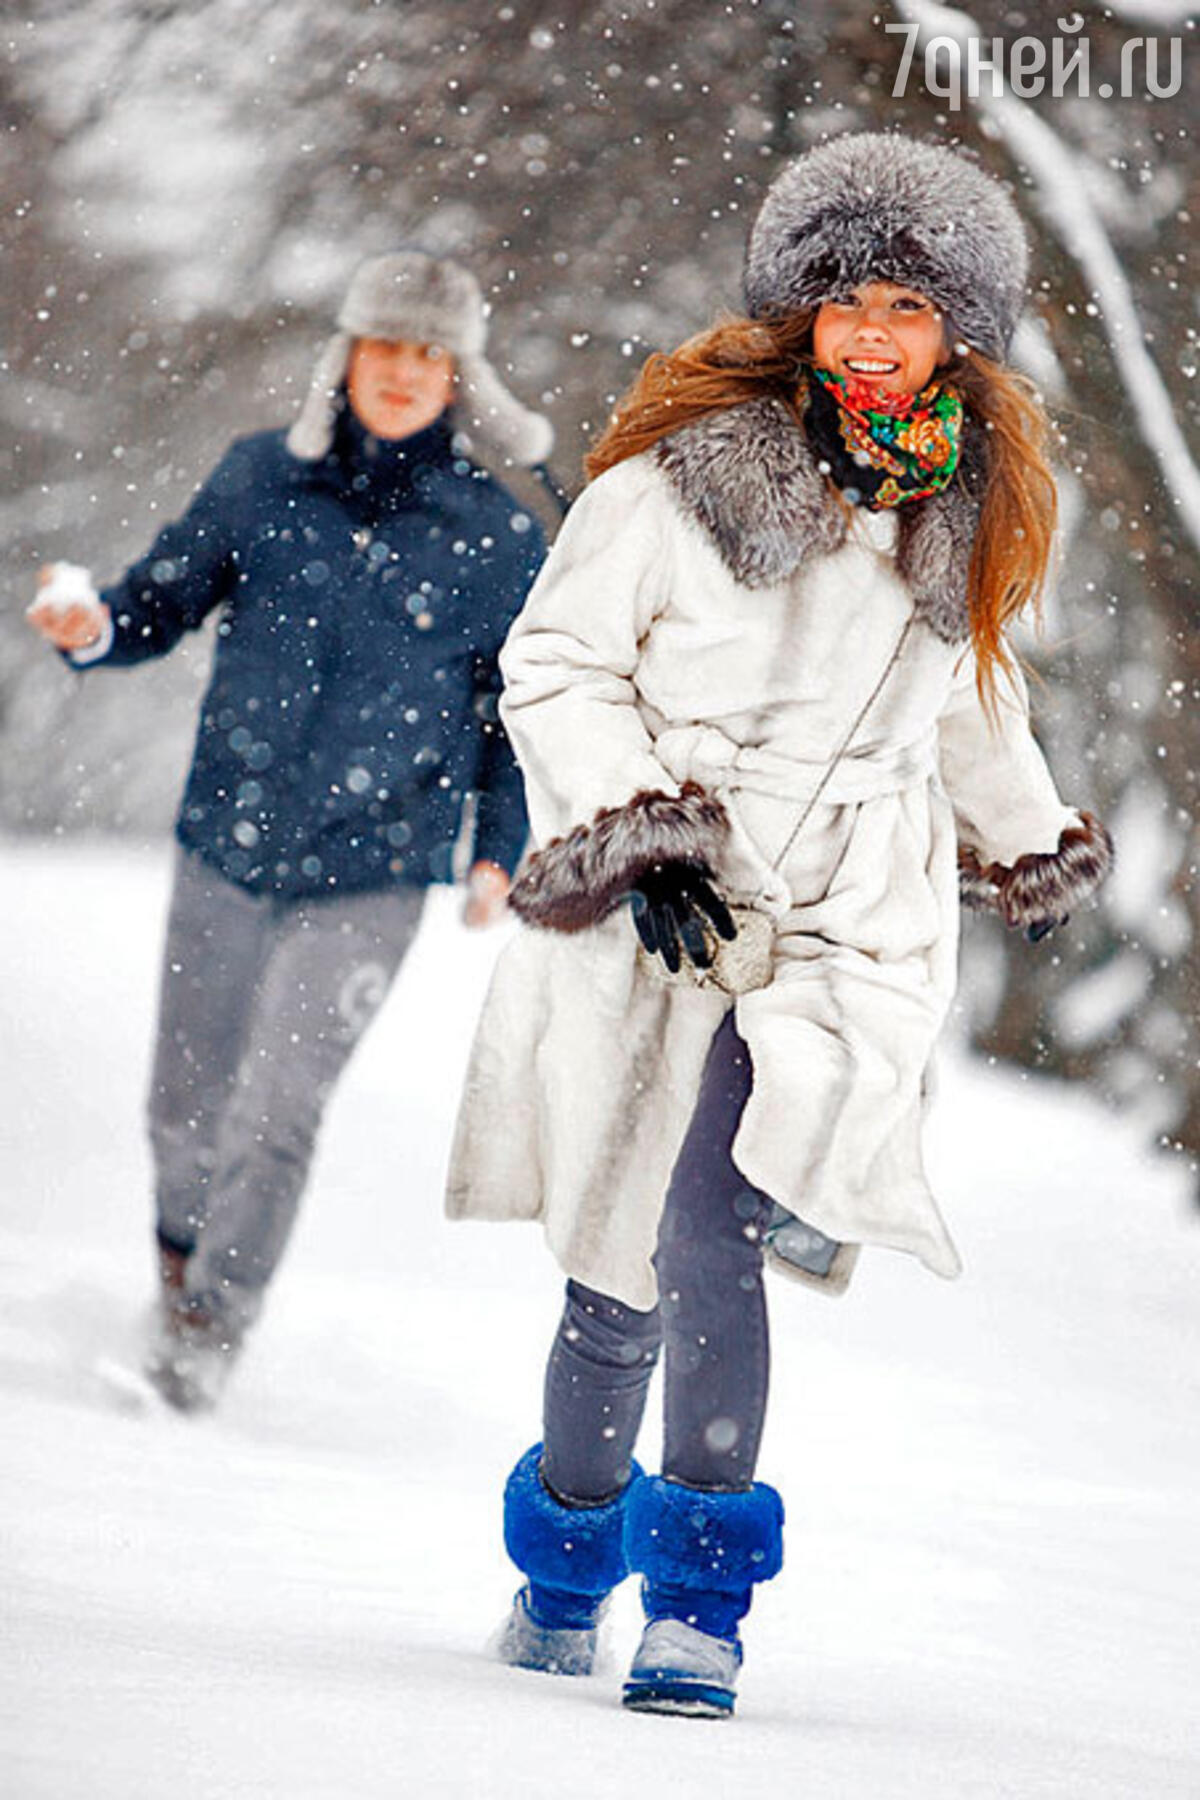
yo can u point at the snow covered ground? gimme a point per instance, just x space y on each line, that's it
993 1574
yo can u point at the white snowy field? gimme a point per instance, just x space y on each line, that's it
993 1571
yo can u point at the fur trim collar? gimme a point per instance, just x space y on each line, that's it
749 476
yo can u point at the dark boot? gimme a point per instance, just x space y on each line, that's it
699 1555
573 1557
172 1268
192 1348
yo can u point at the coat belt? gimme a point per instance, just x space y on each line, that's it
705 754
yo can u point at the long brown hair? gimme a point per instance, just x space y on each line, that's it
744 359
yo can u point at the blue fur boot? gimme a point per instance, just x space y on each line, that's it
572 1558
699 1555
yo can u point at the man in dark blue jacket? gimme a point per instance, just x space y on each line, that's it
365 570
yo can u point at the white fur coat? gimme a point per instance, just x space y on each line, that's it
704 634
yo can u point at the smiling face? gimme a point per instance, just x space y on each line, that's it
398 388
882 337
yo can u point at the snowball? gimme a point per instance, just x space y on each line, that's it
68 585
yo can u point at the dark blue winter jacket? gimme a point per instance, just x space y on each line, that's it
352 704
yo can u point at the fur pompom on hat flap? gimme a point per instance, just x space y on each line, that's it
878 206
426 300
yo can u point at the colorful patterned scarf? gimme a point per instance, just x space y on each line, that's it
883 449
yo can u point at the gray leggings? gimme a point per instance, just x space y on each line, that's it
262 1003
711 1323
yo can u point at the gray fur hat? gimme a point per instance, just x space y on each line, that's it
876 206
429 300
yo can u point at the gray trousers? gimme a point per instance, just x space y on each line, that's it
710 1323
262 1003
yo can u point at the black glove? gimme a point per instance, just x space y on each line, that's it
1041 928
674 905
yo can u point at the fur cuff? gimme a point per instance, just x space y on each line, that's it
690 1538
1047 885
575 882
577 1549
977 890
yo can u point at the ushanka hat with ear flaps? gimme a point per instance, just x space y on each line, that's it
425 300
876 206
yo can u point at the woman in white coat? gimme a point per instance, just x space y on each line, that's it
761 688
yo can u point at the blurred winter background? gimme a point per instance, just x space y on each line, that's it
185 188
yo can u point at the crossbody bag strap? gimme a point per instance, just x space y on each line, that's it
846 742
